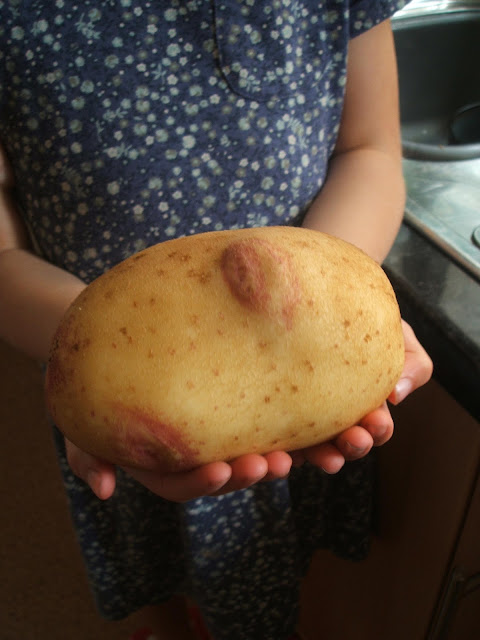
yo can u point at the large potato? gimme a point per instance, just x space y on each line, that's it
215 345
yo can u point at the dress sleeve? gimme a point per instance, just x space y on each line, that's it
365 14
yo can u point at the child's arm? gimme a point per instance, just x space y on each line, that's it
33 294
363 198
362 202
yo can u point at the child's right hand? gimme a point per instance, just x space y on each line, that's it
210 479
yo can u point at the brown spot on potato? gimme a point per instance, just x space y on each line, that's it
346 323
294 388
124 332
266 399
203 277
367 338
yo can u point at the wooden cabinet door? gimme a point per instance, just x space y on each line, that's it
458 613
426 476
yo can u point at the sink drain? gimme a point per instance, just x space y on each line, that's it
476 236
465 125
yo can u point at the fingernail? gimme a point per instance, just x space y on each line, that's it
402 389
329 473
355 450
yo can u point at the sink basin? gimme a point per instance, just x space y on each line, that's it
438 53
439 75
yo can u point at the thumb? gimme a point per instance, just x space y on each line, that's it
98 474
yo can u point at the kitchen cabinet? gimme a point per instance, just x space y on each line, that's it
421 580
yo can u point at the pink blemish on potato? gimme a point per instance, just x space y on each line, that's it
137 428
262 278
243 270
65 343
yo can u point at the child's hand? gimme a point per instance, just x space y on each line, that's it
210 479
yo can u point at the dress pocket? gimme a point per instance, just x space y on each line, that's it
275 48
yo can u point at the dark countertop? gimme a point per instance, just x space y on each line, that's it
441 301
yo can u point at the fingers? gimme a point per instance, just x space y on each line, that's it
354 443
417 370
326 456
216 478
246 470
185 485
279 465
379 424
98 474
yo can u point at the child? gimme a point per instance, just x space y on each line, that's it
128 123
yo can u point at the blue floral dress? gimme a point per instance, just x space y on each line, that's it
129 122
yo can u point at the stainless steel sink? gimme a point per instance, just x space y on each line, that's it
438 52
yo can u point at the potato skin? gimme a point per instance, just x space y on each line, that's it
207 347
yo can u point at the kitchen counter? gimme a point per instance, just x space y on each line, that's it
441 301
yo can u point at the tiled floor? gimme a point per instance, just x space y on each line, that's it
43 591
